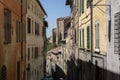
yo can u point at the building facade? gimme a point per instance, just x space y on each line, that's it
88 33
35 35
12 39
61 28
54 35
92 33
113 52
72 48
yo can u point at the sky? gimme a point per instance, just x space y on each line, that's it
54 9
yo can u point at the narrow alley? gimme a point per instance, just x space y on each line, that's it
59 39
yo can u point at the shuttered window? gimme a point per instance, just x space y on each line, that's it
80 7
36 29
28 53
88 3
18 70
88 37
36 52
97 35
28 25
117 33
20 32
75 35
24 32
82 38
7 26
82 4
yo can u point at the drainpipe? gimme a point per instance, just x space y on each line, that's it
45 44
91 22
22 32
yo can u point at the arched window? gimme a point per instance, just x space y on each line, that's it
3 75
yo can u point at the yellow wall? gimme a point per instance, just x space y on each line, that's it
99 13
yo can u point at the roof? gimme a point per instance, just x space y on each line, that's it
68 2
41 6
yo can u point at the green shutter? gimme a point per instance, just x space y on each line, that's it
88 3
88 37
80 37
82 6
83 38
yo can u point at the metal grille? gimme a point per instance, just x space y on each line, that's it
3 73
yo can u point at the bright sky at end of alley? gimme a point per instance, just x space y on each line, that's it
54 9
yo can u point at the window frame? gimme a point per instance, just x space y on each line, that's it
97 36
7 26
88 37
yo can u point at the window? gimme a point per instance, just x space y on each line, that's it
29 25
19 31
36 52
82 38
109 30
97 35
3 75
36 28
75 35
7 26
117 33
82 6
88 37
33 52
24 32
29 73
18 70
88 3
43 32
32 26
28 53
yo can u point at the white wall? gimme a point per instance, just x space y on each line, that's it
113 62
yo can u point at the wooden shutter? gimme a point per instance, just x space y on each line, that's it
117 33
75 35
29 25
80 37
88 37
82 6
97 33
7 26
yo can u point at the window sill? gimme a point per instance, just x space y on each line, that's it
82 49
97 50
88 50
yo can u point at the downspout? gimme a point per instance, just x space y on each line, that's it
21 33
91 22
45 50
